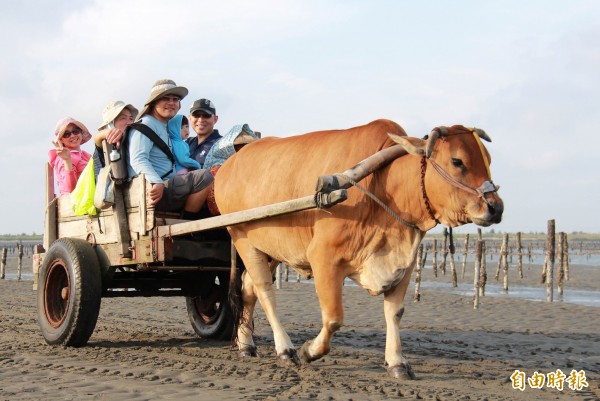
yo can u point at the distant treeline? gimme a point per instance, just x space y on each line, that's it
532 236
16 237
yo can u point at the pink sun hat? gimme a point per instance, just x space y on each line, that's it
62 125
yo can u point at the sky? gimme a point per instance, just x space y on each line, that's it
527 72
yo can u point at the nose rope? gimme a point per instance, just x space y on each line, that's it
451 179
487 186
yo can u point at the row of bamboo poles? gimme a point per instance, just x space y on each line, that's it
447 250
480 269
19 250
480 251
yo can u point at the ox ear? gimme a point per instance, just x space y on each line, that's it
414 146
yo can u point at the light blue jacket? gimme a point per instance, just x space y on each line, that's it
145 157
181 150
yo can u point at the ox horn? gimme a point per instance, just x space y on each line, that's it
435 134
481 133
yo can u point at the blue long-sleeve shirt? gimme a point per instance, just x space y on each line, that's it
147 158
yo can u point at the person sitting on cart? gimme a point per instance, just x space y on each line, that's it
185 193
203 117
67 158
181 151
116 117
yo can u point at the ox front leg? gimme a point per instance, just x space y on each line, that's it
328 283
393 307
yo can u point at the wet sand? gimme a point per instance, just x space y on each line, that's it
145 349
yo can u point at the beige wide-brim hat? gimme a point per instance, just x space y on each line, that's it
112 111
62 125
161 88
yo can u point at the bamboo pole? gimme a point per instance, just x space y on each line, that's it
278 276
544 269
420 261
566 250
482 271
502 252
444 252
19 259
478 253
434 258
550 253
520 255
425 252
3 264
465 253
452 267
561 263
505 264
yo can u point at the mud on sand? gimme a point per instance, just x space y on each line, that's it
145 349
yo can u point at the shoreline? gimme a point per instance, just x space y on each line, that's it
582 288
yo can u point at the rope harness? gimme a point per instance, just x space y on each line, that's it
424 191
378 201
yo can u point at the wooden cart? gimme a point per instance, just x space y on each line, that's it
131 250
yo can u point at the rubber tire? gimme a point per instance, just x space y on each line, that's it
211 316
70 266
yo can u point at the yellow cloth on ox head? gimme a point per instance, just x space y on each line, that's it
82 196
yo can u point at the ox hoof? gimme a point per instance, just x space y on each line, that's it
402 372
305 355
289 357
247 351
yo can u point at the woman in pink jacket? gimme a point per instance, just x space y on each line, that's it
67 159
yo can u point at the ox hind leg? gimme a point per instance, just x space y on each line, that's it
259 285
328 284
245 329
393 307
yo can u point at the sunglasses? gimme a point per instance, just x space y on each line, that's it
201 115
74 131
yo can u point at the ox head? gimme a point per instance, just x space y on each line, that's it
458 188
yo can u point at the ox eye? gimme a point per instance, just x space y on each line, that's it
457 162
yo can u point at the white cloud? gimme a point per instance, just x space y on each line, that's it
297 84
288 67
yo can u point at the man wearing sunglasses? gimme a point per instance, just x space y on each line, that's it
203 117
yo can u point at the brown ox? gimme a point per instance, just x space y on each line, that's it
357 238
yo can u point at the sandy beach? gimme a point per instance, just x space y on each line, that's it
145 349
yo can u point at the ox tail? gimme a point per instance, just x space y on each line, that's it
234 296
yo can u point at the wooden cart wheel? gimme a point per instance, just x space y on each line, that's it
211 315
70 293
